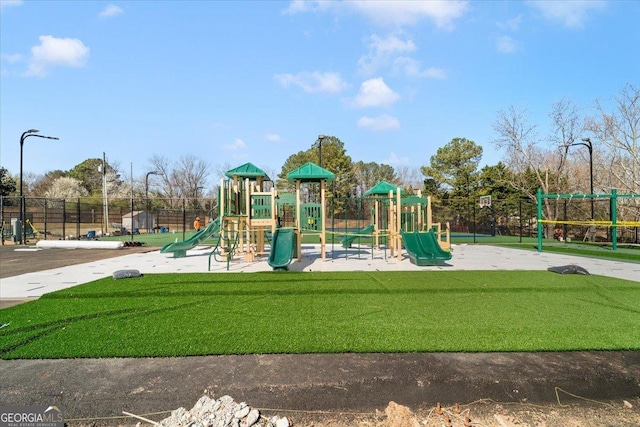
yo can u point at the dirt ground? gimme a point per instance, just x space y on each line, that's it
484 413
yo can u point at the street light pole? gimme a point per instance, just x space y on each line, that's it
587 143
146 196
25 135
320 138
196 205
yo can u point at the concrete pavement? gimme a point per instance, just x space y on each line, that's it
465 257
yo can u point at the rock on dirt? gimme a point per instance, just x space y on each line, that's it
223 412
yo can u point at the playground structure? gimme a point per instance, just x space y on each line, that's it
613 222
250 217
246 212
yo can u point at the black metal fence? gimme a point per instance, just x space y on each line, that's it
50 218
464 216
76 218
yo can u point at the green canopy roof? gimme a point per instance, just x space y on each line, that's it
248 170
286 199
382 188
414 200
310 172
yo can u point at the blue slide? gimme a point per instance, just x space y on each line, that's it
282 249
180 249
424 249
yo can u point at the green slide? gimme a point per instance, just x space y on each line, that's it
282 249
180 249
424 249
348 240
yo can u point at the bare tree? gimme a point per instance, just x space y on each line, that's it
567 128
191 175
184 180
619 133
410 177
533 164
523 156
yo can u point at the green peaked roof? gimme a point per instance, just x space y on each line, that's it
286 199
248 170
382 188
310 172
414 200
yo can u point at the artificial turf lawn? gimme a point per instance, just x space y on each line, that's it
240 313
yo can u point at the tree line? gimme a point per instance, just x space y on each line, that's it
556 162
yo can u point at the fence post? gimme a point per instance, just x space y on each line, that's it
474 222
64 219
565 227
614 219
78 218
520 217
539 216
2 218
46 212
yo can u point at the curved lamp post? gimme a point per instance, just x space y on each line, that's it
25 135
587 143
196 205
320 138
146 196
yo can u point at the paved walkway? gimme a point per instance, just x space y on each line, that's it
466 257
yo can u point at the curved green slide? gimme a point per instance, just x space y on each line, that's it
424 249
282 249
348 240
180 249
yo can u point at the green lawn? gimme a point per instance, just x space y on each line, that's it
313 312
624 253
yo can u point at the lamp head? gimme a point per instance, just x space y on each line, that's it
33 131
586 139
321 137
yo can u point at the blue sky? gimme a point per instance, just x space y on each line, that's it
256 81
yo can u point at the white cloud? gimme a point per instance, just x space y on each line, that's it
388 12
9 3
381 123
506 44
52 52
302 6
110 11
394 159
238 144
272 137
412 68
314 82
12 59
374 93
382 51
572 14
402 12
512 24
